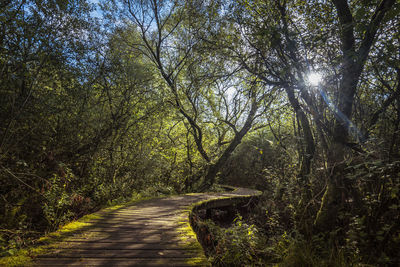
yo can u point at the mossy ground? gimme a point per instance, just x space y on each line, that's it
189 241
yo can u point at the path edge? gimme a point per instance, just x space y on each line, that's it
189 227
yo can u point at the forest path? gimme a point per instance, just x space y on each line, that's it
152 232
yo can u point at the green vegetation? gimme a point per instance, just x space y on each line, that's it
100 103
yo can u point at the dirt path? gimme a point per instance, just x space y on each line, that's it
150 233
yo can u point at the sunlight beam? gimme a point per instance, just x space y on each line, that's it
314 78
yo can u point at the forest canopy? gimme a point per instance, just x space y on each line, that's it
102 101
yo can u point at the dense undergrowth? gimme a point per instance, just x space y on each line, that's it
280 229
100 104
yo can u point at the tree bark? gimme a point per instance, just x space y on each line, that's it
308 155
209 178
353 62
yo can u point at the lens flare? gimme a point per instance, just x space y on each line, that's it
314 78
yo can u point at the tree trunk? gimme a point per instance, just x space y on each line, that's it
308 154
214 168
352 65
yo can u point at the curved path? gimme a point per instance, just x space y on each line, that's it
153 232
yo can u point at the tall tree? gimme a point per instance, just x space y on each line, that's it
352 62
282 42
171 38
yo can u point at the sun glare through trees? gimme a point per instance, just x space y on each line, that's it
314 78
103 102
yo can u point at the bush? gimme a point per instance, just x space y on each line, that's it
239 245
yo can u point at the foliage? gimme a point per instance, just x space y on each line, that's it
373 231
239 245
99 104
259 161
80 120
367 230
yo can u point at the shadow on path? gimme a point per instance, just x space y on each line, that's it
148 233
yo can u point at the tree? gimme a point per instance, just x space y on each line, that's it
172 38
41 46
354 57
282 42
